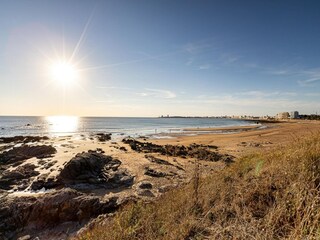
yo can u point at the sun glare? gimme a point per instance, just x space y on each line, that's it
62 124
63 72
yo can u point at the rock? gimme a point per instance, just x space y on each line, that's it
15 177
50 210
18 154
43 182
123 149
198 151
103 137
144 146
154 173
94 169
49 164
22 139
145 185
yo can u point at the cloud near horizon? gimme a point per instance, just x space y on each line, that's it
158 93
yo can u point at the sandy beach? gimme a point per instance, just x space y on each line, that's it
247 138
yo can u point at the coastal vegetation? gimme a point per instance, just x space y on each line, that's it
269 194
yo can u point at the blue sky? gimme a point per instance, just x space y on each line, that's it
148 58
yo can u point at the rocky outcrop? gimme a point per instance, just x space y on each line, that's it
18 154
49 210
198 151
18 177
94 169
23 139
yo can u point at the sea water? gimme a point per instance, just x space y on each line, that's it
129 126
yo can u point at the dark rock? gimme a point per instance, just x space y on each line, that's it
49 164
198 151
50 210
103 137
43 181
22 139
123 149
94 169
18 154
15 177
154 173
145 185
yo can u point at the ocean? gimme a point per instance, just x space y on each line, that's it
128 126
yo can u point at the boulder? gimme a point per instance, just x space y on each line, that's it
94 169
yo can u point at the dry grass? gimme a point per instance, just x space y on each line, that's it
267 195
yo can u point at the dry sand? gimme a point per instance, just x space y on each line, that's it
249 138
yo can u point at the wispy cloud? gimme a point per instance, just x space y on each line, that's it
228 58
205 66
196 47
261 94
189 62
312 76
307 76
158 93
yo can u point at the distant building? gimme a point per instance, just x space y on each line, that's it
294 115
283 115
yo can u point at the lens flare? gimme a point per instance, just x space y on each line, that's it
63 72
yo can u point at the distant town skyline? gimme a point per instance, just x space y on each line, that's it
152 58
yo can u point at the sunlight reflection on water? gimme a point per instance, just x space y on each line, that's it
62 124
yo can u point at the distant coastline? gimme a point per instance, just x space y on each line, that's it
250 119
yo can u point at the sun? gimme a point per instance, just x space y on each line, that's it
64 72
